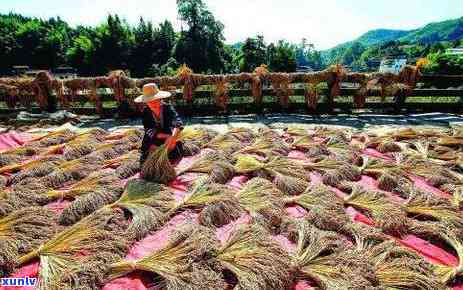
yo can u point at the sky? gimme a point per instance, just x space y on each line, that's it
324 23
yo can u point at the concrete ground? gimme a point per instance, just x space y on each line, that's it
358 121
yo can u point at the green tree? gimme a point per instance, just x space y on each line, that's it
201 45
81 55
144 49
113 42
165 42
253 54
282 57
8 44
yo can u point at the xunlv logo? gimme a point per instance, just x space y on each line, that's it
16 282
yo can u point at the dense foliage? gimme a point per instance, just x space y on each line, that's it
145 49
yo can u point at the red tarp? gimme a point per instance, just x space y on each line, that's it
136 281
13 139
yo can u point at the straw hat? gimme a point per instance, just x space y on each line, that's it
151 92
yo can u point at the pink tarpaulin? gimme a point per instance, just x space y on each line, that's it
13 139
30 270
143 248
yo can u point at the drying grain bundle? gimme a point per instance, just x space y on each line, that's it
389 175
180 263
134 135
203 193
244 135
434 174
22 231
14 156
225 143
265 147
318 196
95 181
334 171
112 150
192 144
129 166
81 145
95 239
21 195
259 198
157 167
423 204
288 175
256 261
53 138
396 267
281 84
386 213
33 168
447 235
384 144
190 82
212 163
456 190
72 170
315 258
89 203
148 204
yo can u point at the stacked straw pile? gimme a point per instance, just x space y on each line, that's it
398 182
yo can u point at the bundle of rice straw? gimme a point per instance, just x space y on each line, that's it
263 201
21 196
17 155
157 167
255 259
65 252
386 213
423 204
388 174
21 231
334 171
265 147
318 196
53 138
315 258
212 163
289 176
202 193
148 204
242 134
99 180
227 144
34 168
396 267
89 203
129 166
72 170
178 265
447 235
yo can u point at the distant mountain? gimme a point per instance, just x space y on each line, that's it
449 30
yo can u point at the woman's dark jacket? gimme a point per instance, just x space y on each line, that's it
168 120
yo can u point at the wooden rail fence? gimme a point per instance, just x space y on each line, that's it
195 94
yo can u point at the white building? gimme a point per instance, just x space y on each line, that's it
392 65
455 51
